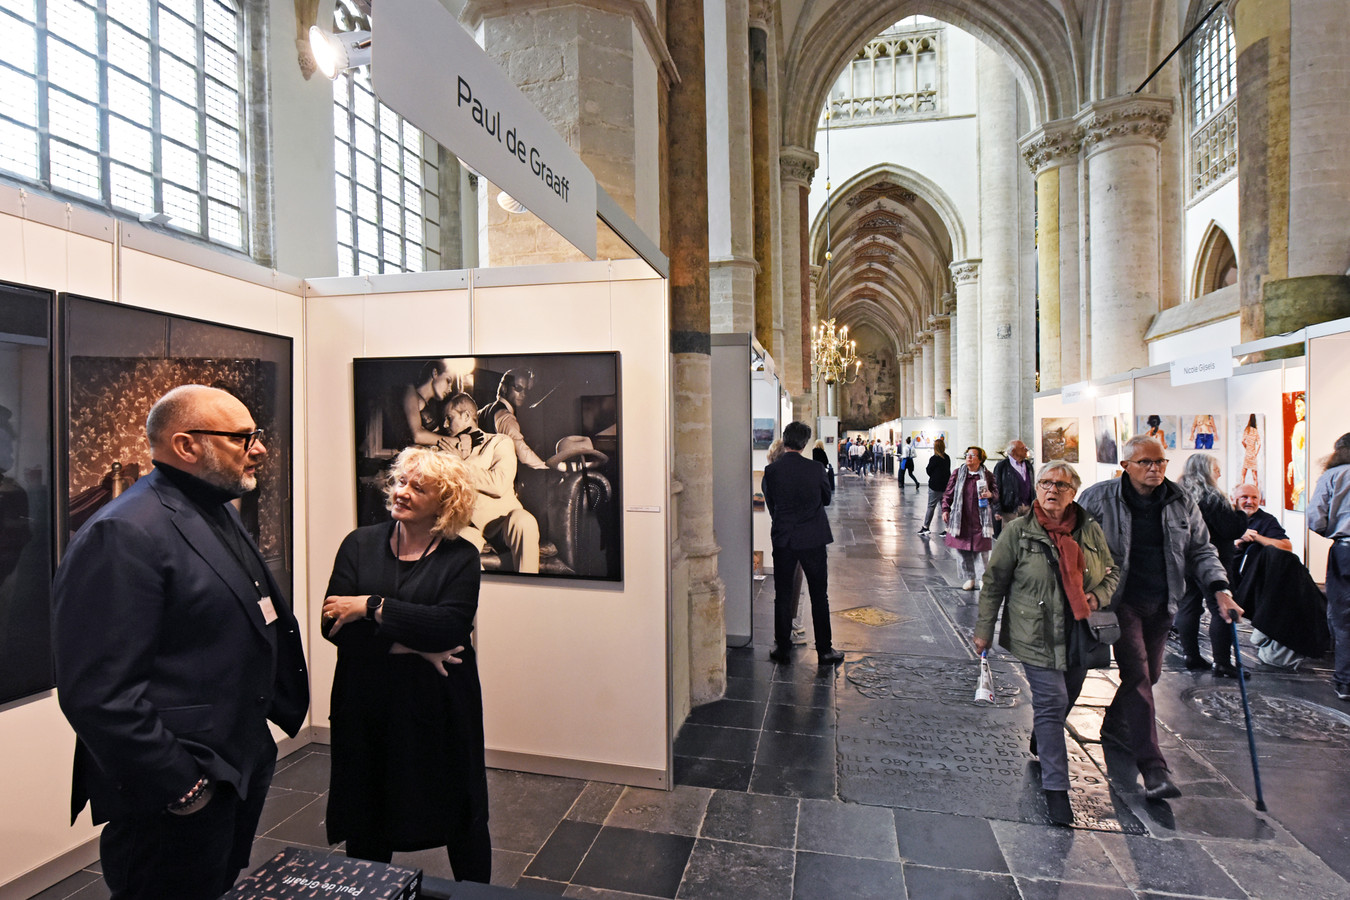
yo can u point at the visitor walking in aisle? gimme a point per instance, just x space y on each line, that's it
1329 516
968 511
939 473
909 465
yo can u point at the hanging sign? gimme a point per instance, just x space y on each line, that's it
1075 393
1209 366
427 68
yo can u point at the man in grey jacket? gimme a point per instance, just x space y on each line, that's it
1156 534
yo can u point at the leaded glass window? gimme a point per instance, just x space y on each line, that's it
1213 77
132 105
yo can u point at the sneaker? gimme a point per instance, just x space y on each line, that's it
923 531
799 637
969 585
979 585
1342 690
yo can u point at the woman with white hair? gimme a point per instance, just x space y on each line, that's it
1200 480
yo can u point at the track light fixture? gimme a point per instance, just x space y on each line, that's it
336 53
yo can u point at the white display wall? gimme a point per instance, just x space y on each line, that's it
1328 413
574 673
51 246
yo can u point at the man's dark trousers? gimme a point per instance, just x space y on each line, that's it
1139 655
812 560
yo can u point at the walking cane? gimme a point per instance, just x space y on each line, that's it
1247 712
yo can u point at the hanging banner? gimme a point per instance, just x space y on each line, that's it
1210 366
427 68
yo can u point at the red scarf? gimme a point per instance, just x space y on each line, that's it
1071 563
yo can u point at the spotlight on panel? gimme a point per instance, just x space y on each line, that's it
335 53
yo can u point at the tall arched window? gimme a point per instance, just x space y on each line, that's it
896 75
131 105
387 176
1213 114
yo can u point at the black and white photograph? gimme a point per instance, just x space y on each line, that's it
539 431
25 490
119 360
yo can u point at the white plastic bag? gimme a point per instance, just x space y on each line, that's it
984 691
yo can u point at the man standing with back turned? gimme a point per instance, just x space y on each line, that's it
796 492
1156 535
174 646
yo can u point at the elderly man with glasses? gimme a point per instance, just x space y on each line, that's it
1156 535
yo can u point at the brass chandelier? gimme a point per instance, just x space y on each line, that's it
834 357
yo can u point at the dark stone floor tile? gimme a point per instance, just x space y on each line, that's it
720 870
1177 866
541 885
595 802
1063 854
280 805
946 884
805 751
788 781
309 774
716 742
847 829
751 819
306 827
95 891
637 862
815 692
508 865
749 662
679 811
67 886
433 862
821 876
800 719
1272 871
1199 817
719 774
1068 890
524 808
938 839
729 713
589 893
564 850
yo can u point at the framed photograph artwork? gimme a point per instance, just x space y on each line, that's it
118 360
1059 439
1164 428
542 428
26 459
1250 434
1202 432
761 433
1104 428
1295 408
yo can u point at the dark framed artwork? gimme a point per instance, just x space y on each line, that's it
1059 439
545 426
118 360
26 459
761 433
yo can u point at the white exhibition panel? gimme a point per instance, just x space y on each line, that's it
1258 389
1328 419
575 673
81 255
1157 394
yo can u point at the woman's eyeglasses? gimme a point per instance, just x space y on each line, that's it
1056 486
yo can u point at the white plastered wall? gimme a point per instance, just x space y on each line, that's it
1258 389
574 673
1328 419
54 247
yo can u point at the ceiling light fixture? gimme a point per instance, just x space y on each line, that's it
336 53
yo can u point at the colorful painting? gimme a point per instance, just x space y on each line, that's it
1164 428
1059 439
1250 434
761 433
1202 431
543 428
757 489
923 438
1105 429
1295 451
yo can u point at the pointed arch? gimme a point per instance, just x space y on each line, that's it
1216 264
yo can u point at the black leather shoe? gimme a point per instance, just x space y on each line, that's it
1197 663
781 655
1158 785
1225 670
831 658
1057 805
1033 747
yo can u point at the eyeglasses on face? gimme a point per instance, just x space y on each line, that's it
1147 463
248 437
1056 486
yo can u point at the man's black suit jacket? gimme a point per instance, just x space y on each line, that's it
796 492
165 666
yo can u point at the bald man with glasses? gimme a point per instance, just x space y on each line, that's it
1156 535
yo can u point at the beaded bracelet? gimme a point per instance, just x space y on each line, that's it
192 796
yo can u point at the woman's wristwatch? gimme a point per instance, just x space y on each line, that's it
373 603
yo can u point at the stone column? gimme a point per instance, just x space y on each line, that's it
1293 129
690 346
942 363
796 167
762 184
730 192
1001 363
906 396
966 276
1052 153
1120 139
596 71
915 392
926 384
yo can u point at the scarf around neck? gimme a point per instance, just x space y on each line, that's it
958 503
1071 562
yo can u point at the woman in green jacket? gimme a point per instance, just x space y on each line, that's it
1049 569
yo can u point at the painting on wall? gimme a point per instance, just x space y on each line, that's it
1295 450
757 489
1251 437
1164 428
1202 432
873 398
1059 439
118 360
924 437
25 490
1105 430
542 428
761 433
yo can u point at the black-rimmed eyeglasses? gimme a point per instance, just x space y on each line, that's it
1146 463
248 437
1057 486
